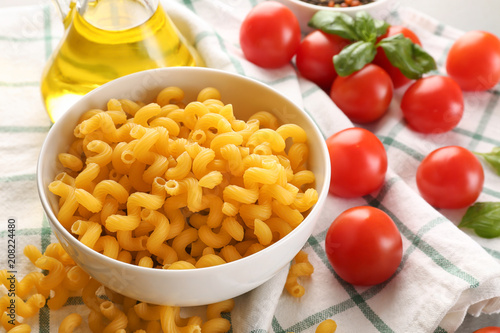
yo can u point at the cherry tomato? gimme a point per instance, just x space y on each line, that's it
474 61
358 162
314 57
398 78
270 35
364 246
433 104
489 329
363 96
450 177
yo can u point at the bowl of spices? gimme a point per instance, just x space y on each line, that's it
305 9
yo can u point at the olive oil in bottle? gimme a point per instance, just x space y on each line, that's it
107 40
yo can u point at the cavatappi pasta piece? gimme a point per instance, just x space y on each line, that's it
101 152
28 283
179 244
7 322
85 179
326 326
125 256
59 297
68 202
299 268
263 232
214 205
197 248
207 250
147 311
208 93
304 201
292 216
96 321
134 323
127 242
214 239
135 202
179 265
25 309
233 228
21 328
156 241
208 260
266 119
145 261
76 278
172 322
230 253
253 248
117 317
251 212
215 323
170 95
145 113
278 226
303 177
88 232
89 296
298 155
108 245
269 136
56 271
70 161
69 323
56 251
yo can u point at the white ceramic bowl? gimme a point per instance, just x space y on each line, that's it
196 286
379 9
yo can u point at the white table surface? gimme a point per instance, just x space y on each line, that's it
462 14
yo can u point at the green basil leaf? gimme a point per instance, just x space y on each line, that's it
484 218
410 58
354 57
364 25
381 27
334 23
423 58
493 158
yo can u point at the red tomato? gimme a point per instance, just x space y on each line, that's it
358 160
314 57
398 78
489 329
270 35
450 177
364 246
433 104
474 61
363 96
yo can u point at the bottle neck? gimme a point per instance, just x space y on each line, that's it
111 15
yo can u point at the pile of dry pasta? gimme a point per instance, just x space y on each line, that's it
109 311
59 278
168 185
175 186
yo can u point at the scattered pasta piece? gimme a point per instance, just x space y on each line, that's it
70 322
327 326
22 328
109 311
299 268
